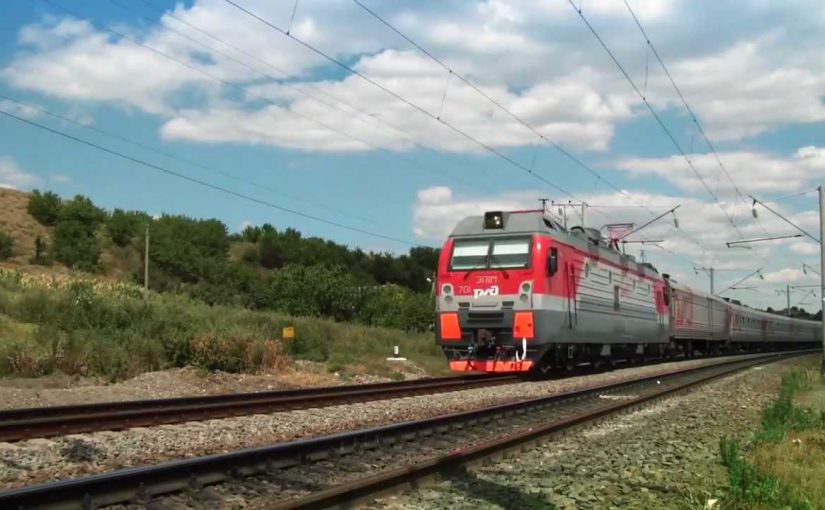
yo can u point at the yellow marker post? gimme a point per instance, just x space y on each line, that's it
288 333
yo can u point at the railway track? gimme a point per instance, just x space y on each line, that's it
333 470
21 424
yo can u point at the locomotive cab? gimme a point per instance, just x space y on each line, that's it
489 272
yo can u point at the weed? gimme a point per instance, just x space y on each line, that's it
756 485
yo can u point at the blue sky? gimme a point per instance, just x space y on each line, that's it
243 107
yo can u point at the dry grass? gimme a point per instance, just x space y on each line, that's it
19 224
798 462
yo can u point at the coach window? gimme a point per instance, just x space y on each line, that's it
616 298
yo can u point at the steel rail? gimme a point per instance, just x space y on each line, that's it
415 476
144 483
28 423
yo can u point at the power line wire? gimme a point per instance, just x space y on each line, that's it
188 161
655 115
300 88
694 118
514 116
205 184
398 96
242 89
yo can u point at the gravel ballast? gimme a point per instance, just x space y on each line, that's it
663 456
41 460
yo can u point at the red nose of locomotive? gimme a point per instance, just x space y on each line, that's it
486 296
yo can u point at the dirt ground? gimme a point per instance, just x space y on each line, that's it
59 389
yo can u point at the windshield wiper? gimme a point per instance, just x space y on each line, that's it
467 273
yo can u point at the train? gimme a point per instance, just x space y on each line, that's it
517 292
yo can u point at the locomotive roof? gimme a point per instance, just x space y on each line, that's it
514 223
536 222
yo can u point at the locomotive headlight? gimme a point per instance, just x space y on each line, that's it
447 288
494 220
526 287
448 299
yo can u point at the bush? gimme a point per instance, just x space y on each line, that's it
6 246
81 210
41 253
44 207
76 246
123 226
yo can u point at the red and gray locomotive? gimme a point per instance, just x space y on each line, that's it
517 292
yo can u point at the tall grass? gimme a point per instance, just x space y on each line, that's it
110 330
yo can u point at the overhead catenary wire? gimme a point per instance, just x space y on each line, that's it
245 91
206 184
695 118
403 99
301 88
656 116
452 72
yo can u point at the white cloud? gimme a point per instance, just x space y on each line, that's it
19 110
12 176
804 248
751 170
536 58
785 275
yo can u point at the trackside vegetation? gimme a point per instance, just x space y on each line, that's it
261 268
110 330
784 466
217 300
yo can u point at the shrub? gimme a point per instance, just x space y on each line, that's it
81 210
44 207
76 246
6 245
41 253
123 226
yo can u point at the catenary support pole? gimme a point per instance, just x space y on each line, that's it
146 263
822 267
712 285
788 297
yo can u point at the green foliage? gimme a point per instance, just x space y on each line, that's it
76 246
75 241
182 250
745 482
782 415
6 246
82 211
307 276
748 486
79 331
123 226
44 207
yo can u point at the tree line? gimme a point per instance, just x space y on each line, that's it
259 268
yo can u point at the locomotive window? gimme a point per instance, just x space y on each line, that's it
504 253
510 253
470 254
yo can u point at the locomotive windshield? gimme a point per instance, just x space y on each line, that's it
491 253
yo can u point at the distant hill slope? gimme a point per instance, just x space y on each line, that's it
19 224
